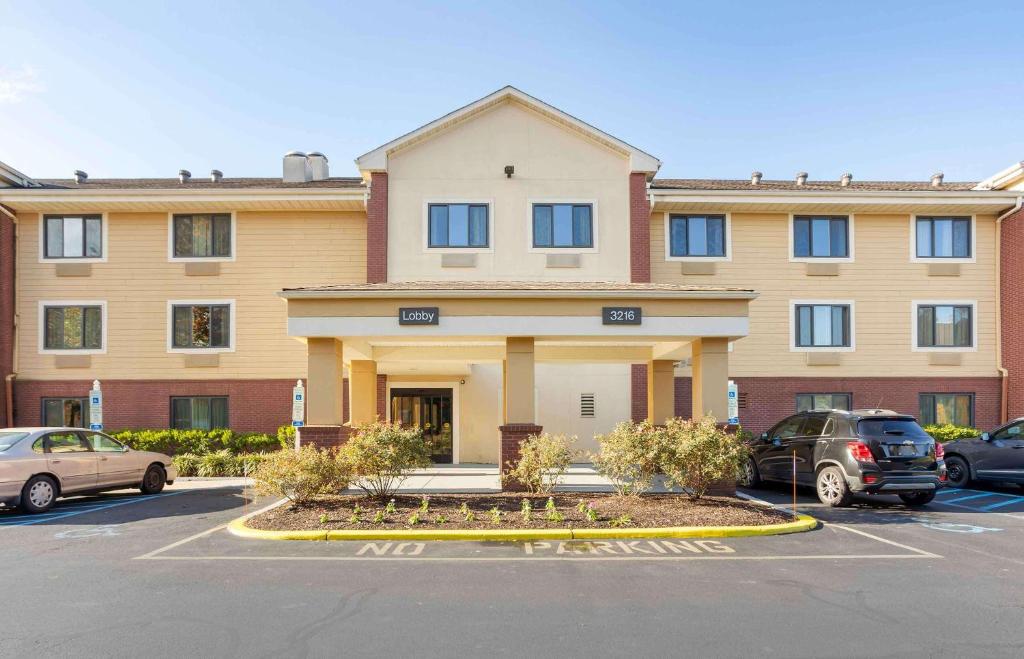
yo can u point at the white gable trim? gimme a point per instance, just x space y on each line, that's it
377 160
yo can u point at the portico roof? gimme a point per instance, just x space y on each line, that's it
512 289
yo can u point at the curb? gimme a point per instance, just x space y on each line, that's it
802 523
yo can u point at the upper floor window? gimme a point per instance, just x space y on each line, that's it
822 325
72 327
73 236
201 236
458 225
697 236
200 326
943 237
563 225
945 325
821 237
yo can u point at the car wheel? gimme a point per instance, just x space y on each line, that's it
917 498
39 494
958 472
832 488
154 480
749 476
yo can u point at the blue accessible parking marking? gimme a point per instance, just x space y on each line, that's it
954 497
72 508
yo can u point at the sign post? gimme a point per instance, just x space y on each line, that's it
734 403
95 407
298 409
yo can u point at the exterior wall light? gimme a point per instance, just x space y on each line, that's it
509 170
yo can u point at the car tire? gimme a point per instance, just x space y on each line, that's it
832 488
917 498
154 480
958 471
38 495
749 476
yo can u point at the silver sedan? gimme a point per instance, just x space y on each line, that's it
37 465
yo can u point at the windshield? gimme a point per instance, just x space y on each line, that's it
906 428
9 439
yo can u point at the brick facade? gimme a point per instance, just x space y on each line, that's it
639 229
638 392
512 436
1011 283
324 436
7 249
377 229
382 397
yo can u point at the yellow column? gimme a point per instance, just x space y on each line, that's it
362 383
661 391
519 406
711 378
324 382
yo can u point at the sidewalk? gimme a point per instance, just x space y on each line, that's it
484 478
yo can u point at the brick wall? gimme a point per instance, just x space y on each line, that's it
7 248
382 397
638 392
377 229
639 229
1011 284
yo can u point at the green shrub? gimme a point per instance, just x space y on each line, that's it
697 453
543 461
187 464
381 455
286 436
948 432
221 463
248 463
252 442
301 475
198 442
628 456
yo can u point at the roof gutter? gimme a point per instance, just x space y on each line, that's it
1003 371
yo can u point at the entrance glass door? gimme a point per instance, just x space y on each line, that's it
431 411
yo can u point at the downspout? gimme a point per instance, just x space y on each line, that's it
1004 391
9 379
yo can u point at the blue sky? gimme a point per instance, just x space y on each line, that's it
892 90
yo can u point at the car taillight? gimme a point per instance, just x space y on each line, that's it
943 477
940 451
870 478
860 451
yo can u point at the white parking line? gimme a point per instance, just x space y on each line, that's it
82 509
205 533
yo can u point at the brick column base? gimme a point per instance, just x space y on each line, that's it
512 436
324 436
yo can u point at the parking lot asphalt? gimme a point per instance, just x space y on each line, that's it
121 574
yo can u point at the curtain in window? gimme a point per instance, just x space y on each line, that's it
219 412
716 236
478 226
582 227
925 326
93 237
55 236
924 238
182 327
183 236
677 236
220 330
543 231
438 226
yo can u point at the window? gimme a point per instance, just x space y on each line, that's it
957 409
697 235
822 326
65 442
563 225
943 237
102 443
73 236
1009 432
458 225
945 326
199 412
788 428
73 327
821 237
202 236
808 402
587 406
66 412
201 326
814 425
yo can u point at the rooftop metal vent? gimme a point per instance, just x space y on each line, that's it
801 178
846 180
296 168
80 176
755 178
937 179
184 176
216 175
317 166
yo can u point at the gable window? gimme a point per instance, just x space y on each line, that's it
821 237
957 409
201 236
808 402
697 235
72 327
943 237
201 326
563 225
458 225
73 236
945 326
822 326
199 412
65 412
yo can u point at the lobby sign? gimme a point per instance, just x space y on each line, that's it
621 315
418 316
734 403
95 407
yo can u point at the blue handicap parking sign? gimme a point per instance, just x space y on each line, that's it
95 426
297 424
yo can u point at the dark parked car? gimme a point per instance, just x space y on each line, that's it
842 453
994 456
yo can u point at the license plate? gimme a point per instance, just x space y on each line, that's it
903 451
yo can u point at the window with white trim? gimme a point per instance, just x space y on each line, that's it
202 236
73 236
73 327
945 326
696 235
943 237
201 326
563 225
457 225
822 326
821 237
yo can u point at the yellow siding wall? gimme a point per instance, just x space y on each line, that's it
882 281
274 250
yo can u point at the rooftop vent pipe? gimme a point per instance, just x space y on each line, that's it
296 168
846 179
184 175
937 179
80 176
755 178
216 175
318 166
801 178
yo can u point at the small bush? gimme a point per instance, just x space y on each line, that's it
697 453
198 442
187 464
301 475
628 456
221 463
948 432
381 455
543 461
286 436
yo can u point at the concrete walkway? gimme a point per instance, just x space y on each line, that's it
484 478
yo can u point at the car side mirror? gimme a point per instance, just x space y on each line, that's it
124 449
985 437
764 437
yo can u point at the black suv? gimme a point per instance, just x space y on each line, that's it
840 453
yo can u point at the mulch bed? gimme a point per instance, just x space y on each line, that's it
444 511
